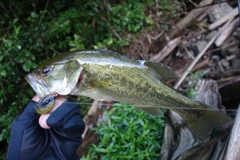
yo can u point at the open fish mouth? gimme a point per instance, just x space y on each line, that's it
37 85
45 104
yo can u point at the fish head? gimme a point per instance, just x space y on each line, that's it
55 78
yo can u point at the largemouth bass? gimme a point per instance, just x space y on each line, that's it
107 75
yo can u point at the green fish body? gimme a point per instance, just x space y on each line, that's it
107 75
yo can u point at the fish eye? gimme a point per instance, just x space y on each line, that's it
46 71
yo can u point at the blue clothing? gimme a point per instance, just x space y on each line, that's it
29 140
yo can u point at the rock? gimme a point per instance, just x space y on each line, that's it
218 11
199 45
235 64
211 35
232 49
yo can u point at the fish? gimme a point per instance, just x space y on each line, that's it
107 75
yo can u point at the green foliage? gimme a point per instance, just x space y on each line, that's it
39 30
128 15
128 134
6 120
34 31
3 157
169 5
85 103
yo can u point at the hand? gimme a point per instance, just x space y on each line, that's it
43 118
31 140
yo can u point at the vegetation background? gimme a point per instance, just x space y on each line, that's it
32 31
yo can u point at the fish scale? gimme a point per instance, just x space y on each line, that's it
118 87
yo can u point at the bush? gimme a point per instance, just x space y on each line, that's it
34 31
128 134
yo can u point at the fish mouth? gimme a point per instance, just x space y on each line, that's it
47 101
37 85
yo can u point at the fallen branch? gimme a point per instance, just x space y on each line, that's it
166 50
224 19
220 75
91 111
229 82
186 20
200 65
200 55
109 25
225 34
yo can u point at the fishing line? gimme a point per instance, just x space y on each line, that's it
179 108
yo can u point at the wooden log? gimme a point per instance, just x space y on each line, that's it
233 150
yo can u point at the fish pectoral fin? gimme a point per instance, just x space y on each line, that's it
100 83
151 110
165 72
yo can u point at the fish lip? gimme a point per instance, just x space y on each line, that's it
33 81
30 80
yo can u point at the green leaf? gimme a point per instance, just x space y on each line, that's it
1 56
3 73
34 15
149 20
100 150
26 67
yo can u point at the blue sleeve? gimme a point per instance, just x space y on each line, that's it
29 141
17 130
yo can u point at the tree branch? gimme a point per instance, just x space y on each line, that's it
109 25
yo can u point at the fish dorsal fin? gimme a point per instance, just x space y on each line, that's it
165 72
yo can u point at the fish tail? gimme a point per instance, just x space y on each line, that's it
205 121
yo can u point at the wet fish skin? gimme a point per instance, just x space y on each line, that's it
106 75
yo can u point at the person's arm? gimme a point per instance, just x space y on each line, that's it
31 140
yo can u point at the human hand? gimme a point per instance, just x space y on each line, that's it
56 135
43 118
